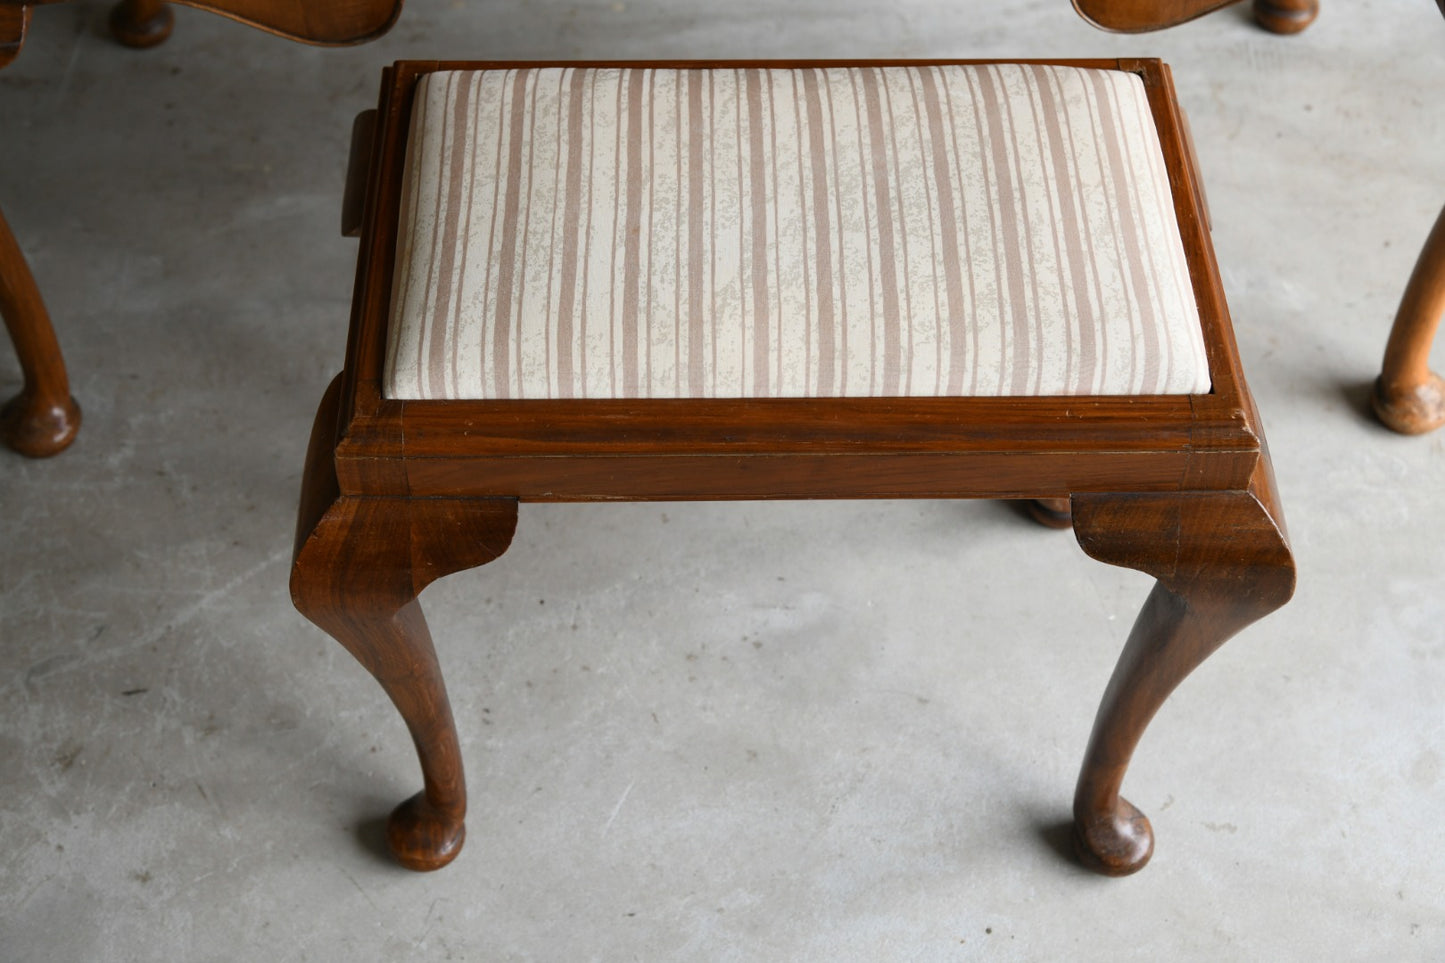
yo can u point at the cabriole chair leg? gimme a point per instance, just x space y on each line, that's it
1409 397
360 564
42 419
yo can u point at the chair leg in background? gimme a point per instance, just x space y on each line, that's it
42 420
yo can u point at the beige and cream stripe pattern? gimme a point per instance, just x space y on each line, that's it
998 230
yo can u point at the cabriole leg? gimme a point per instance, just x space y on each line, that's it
42 420
359 566
1409 397
1223 561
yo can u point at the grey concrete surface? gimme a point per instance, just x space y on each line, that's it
754 732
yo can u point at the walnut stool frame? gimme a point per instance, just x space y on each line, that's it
399 493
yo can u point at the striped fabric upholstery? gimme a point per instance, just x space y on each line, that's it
723 233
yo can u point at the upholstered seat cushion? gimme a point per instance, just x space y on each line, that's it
998 230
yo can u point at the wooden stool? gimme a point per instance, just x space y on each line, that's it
739 281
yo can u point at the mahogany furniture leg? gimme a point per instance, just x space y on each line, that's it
1409 397
141 23
1285 16
1223 561
360 564
42 420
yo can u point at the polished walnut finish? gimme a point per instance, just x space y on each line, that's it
145 23
398 493
1409 397
42 420
1137 16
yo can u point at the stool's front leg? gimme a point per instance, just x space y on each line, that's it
359 566
1223 561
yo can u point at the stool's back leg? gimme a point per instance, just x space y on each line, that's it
360 563
1223 561
1409 397
1050 512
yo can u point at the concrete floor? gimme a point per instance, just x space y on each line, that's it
775 732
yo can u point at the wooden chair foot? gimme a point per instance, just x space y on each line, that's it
1409 397
359 566
141 23
1222 561
1285 16
1411 409
424 837
1115 843
43 418
37 426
